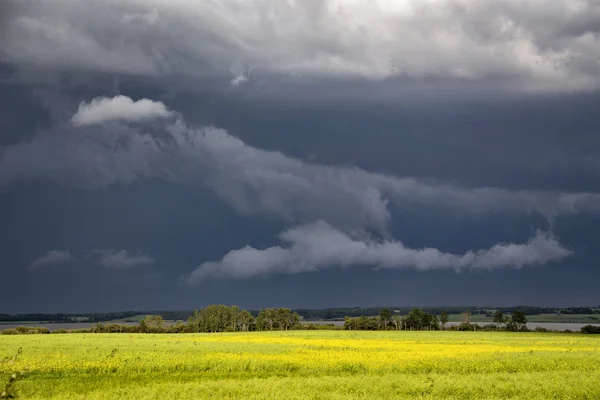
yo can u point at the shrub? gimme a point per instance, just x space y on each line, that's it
465 326
591 329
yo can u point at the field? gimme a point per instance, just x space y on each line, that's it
305 365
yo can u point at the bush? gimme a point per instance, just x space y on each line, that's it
83 330
320 327
26 330
591 330
465 326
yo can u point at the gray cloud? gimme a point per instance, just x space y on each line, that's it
103 109
541 45
51 259
122 259
316 246
252 180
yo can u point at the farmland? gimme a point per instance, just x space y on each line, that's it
304 365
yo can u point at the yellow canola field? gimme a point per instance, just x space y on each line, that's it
305 365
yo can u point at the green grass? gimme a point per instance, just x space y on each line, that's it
305 365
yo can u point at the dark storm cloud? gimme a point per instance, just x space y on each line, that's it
347 133
541 45
259 182
253 180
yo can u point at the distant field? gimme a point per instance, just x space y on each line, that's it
570 318
305 365
134 318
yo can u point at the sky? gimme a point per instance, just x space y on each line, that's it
167 154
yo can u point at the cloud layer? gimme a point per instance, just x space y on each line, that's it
535 45
336 209
111 259
315 246
51 259
254 181
103 109
121 259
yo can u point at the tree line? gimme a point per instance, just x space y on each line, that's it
419 320
307 314
222 318
210 319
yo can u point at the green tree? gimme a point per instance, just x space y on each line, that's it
244 320
500 318
156 321
420 320
397 321
213 318
266 319
517 322
465 316
385 317
444 319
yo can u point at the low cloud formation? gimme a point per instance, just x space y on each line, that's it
238 80
122 259
252 180
316 246
51 259
102 109
536 45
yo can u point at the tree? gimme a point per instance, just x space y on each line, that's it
156 321
219 318
179 327
349 323
420 320
385 316
265 321
245 321
465 316
142 326
518 321
499 318
444 319
270 319
397 320
284 318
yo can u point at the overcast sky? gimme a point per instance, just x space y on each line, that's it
167 154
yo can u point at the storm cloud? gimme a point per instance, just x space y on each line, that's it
439 142
315 246
537 45
254 181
